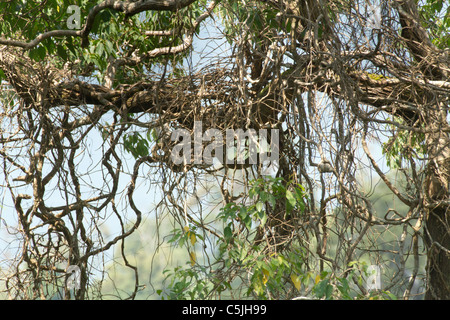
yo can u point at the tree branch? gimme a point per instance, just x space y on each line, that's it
129 8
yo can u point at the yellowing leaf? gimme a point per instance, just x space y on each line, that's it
193 257
317 280
266 275
193 239
186 228
296 281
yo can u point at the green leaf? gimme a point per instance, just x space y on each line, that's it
243 254
259 206
227 232
109 48
290 198
391 295
263 217
272 200
323 289
62 52
248 222
243 212
38 53
344 288
252 192
99 49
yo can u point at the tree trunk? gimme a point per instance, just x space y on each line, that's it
437 228
434 118
438 265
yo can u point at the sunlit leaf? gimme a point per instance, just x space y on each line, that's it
193 258
193 238
259 206
317 280
296 281
290 197
266 275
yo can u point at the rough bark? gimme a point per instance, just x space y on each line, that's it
437 228
434 119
